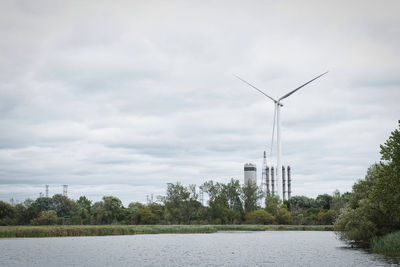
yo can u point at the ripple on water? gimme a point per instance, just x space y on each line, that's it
271 248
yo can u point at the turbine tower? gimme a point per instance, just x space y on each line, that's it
277 120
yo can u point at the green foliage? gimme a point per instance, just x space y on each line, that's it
388 244
145 216
21 214
301 202
373 208
326 217
111 209
339 201
259 217
324 201
225 201
7 214
283 216
181 204
84 203
46 217
63 205
272 204
250 195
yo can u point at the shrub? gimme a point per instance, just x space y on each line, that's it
259 217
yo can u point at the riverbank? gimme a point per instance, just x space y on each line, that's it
388 244
104 230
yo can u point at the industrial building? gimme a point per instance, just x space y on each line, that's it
268 181
250 173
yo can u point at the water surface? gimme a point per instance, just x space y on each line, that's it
270 248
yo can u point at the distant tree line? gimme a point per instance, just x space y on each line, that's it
230 203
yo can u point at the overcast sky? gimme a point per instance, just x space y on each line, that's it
121 97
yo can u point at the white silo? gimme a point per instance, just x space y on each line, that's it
250 173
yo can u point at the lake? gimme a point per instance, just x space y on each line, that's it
269 248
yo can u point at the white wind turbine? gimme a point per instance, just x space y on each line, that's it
277 119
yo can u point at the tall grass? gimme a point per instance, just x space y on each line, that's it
388 244
274 227
102 230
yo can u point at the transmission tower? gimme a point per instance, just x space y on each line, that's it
65 190
201 193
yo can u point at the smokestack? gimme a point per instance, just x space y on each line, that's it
283 184
289 182
273 180
267 180
265 177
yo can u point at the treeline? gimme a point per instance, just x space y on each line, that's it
372 214
230 203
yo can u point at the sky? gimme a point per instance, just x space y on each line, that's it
122 97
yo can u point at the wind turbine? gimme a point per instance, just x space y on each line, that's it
277 120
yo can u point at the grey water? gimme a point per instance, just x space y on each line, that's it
270 248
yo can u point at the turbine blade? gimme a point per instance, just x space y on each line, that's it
298 88
273 130
255 88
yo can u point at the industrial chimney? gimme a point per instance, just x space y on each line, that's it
289 182
283 184
267 180
273 180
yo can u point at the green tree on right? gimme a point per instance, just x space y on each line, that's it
374 205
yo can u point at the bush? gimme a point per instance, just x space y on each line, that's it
388 244
259 217
46 217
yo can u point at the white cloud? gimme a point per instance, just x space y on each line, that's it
123 98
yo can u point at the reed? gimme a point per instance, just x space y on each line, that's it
103 230
274 227
388 244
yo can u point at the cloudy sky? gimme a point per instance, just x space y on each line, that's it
121 97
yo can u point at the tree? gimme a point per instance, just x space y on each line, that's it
373 208
326 217
83 210
224 201
272 204
181 204
46 217
259 217
64 206
250 195
158 210
301 202
85 203
324 201
339 201
7 214
145 216
386 189
283 216
97 213
112 209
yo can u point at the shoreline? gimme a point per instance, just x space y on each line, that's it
106 230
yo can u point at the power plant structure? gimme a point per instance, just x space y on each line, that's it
250 173
269 185
286 191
